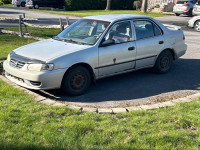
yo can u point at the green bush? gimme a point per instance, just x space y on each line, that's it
97 4
6 1
122 4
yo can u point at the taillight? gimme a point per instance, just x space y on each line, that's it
183 37
194 6
186 5
174 4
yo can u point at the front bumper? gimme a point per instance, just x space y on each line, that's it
191 23
29 5
34 80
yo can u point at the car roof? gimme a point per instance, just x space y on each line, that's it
115 17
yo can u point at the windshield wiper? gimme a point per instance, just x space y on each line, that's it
72 41
57 38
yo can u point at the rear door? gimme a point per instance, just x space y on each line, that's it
149 42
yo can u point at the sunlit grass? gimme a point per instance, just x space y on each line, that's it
27 124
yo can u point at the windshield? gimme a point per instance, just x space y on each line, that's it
83 31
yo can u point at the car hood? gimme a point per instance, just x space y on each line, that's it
48 49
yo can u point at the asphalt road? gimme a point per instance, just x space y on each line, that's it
53 19
139 87
43 18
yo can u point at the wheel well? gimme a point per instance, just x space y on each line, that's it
173 53
195 22
87 66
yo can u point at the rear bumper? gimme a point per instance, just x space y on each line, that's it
181 50
180 12
196 13
29 5
29 79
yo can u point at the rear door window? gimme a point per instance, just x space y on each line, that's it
146 29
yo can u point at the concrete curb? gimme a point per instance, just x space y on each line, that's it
50 102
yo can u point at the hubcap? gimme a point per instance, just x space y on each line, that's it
197 26
78 80
165 62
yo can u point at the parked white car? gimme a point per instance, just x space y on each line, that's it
194 22
95 47
196 9
184 7
19 3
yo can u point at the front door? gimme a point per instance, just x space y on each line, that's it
120 56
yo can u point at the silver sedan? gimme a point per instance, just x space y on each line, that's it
95 47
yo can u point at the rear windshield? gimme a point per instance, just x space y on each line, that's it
198 3
181 2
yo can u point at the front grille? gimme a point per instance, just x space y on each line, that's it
16 63
19 79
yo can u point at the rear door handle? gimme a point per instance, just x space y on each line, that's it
161 42
131 48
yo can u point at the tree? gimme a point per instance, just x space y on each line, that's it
144 6
108 4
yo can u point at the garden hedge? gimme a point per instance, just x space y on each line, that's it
97 4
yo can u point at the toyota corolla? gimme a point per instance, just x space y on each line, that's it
95 47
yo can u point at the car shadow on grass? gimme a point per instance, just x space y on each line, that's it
184 75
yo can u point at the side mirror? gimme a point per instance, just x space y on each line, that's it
107 43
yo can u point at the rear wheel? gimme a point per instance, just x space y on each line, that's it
18 5
177 14
36 6
197 26
76 81
164 62
23 4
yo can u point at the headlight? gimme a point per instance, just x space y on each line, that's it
40 67
8 58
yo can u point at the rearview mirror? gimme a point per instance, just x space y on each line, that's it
107 43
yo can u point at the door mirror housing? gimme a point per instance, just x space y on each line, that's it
107 43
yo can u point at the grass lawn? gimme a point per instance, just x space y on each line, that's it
38 32
9 42
83 13
27 124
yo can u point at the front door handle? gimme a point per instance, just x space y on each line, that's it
161 42
131 48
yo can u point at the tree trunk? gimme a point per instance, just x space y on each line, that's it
144 6
108 4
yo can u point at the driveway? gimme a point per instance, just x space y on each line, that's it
144 86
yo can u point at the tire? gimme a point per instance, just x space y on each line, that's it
177 14
36 6
164 62
18 5
197 26
76 81
23 4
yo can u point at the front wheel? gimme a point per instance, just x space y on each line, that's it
197 26
164 62
76 81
